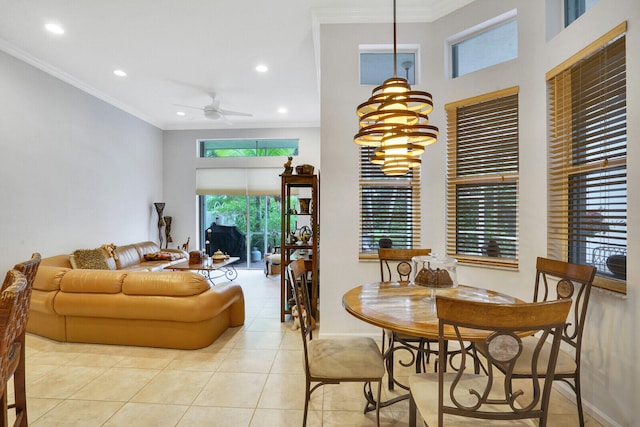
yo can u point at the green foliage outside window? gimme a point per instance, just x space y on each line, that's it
249 148
264 216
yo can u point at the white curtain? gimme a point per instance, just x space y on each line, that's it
252 182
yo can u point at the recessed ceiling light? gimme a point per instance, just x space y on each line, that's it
119 73
180 113
54 28
282 110
262 68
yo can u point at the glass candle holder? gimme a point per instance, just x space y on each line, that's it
434 272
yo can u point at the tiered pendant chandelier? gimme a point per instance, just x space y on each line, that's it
395 121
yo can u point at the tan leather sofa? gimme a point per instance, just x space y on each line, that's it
134 305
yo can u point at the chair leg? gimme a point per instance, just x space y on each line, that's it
378 402
306 404
20 389
20 396
413 409
4 411
579 399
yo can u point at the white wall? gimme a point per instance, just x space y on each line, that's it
610 370
75 172
181 162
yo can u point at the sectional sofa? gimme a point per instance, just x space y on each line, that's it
132 301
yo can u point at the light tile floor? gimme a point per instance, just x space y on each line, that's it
250 376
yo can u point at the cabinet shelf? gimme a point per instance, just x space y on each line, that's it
295 247
294 186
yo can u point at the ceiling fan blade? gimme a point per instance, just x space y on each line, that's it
234 113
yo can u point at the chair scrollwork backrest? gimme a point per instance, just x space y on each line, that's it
488 396
563 280
400 260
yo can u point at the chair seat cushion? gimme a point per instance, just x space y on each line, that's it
348 358
565 364
424 389
274 259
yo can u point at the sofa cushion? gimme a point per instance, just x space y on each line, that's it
147 248
92 281
178 284
127 256
48 277
56 261
89 259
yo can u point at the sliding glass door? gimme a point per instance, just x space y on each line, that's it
240 212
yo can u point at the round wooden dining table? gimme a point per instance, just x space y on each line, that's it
407 309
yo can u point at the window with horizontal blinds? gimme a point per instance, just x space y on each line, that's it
482 179
389 207
587 209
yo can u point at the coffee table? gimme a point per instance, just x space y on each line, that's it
216 270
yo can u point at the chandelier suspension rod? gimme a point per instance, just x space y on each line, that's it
394 41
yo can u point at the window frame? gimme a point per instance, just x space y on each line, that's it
473 32
573 158
505 181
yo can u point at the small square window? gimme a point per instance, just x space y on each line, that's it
573 9
376 67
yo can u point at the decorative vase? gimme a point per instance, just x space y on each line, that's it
617 264
304 205
167 231
160 208
256 255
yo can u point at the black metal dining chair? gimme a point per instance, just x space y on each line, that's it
566 281
332 361
395 265
442 398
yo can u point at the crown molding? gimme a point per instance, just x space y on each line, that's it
24 56
376 13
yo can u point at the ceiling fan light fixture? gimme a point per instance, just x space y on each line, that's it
213 110
261 68
120 73
395 120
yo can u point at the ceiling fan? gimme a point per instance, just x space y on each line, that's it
213 110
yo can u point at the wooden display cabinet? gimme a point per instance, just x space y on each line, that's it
295 216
